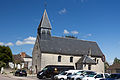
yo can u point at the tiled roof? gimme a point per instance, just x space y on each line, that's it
18 58
114 66
27 56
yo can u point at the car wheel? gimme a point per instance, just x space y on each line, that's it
78 79
61 79
44 77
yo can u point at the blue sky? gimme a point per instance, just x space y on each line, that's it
93 20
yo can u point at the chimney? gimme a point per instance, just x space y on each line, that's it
23 54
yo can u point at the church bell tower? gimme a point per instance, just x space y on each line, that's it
44 29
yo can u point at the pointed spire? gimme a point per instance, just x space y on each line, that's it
45 23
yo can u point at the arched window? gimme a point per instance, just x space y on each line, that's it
48 32
59 58
43 31
71 59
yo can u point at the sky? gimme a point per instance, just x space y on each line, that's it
92 20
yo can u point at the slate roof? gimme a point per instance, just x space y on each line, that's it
27 56
68 46
86 60
45 23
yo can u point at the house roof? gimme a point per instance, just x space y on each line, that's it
18 58
24 55
69 46
86 60
114 66
27 56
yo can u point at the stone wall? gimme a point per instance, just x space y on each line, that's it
52 59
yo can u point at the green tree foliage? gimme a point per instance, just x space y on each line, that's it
116 60
2 64
5 55
106 66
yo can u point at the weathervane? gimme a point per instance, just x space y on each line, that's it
45 4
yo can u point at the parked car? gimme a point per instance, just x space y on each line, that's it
20 73
79 75
96 77
51 70
115 76
64 74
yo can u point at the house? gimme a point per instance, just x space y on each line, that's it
27 60
18 62
114 68
21 60
50 50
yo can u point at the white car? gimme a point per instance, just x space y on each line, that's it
96 77
63 75
79 75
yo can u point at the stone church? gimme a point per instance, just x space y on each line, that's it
50 50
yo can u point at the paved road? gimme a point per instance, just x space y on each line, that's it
5 77
2 77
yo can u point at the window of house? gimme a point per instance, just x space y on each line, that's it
89 67
71 59
97 61
59 58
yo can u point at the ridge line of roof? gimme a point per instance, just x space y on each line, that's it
73 39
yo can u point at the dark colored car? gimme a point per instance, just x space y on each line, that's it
51 70
115 76
20 73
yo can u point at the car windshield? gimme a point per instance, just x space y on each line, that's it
78 73
18 71
91 75
88 73
115 76
63 73
45 69
24 71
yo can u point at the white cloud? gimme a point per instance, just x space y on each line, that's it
74 32
29 40
63 11
19 42
87 35
1 43
66 31
31 48
9 44
110 62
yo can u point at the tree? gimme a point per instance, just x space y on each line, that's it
5 55
106 66
2 64
116 60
